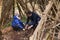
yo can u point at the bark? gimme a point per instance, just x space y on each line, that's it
52 12
0 19
5 10
0 35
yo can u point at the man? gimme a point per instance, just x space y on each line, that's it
32 20
17 24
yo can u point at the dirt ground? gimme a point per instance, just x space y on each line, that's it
18 35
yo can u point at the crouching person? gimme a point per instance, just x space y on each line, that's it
17 24
32 20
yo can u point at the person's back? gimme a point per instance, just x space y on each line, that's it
35 17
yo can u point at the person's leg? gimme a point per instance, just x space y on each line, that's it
30 25
34 26
21 24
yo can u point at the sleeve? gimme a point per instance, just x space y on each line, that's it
36 18
27 20
18 24
34 21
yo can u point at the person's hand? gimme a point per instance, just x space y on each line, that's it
26 27
30 27
23 29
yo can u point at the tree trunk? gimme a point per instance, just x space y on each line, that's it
6 7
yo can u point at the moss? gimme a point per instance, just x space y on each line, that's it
7 25
23 19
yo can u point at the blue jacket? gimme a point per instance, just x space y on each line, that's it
17 23
34 18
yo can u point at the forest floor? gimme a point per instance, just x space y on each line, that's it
18 35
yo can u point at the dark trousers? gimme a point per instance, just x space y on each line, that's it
34 26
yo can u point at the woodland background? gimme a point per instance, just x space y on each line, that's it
49 25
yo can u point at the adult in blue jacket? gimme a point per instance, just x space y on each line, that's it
32 20
17 24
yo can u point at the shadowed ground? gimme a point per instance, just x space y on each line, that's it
18 35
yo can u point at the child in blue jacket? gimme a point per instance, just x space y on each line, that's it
17 24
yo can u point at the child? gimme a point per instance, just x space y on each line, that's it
17 24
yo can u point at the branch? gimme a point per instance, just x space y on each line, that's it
22 9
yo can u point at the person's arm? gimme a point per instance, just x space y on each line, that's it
18 24
27 20
34 21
